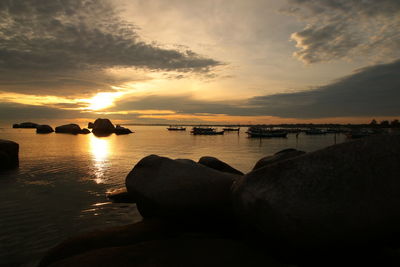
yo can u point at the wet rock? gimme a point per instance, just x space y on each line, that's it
8 154
121 196
90 125
25 125
172 188
278 156
43 129
85 131
341 196
122 130
69 128
103 127
218 165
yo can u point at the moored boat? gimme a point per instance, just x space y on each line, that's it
205 131
231 129
315 131
176 128
267 133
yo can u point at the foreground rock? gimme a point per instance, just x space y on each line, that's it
152 243
218 165
44 129
174 189
122 130
103 127
25 125
342 196
69 128
8 154
121 196
278 156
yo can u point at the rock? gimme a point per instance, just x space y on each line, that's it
153 243
85 131
25 125
43 129
122 130
8 154
278 156
103 127
341 196
218 165
69 128
90 125
121 196
172 188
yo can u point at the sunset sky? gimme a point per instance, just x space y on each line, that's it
199 61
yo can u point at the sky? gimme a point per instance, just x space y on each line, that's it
200 61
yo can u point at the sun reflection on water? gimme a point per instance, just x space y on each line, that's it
100 149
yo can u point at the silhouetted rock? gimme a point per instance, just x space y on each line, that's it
218 165
341 196
121 196
69 128
103 127
25 125
122 130
8 154
90 125
278 156
85 131
43 129
171 188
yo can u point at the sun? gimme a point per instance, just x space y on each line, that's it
103 100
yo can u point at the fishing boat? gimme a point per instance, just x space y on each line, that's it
267 133
315 131
231 129
176 128
205 131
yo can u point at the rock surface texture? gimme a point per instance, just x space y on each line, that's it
278 156
218 165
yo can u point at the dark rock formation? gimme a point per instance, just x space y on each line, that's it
90 125
103 127
44 129
171 188
341 196
121 196
278 156
85 131
69 128
122 130
25 125
218 165
8 154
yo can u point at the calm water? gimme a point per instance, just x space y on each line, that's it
59 189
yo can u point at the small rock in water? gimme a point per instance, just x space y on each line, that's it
122 130
85 131
43 129
218 165
90 125
69 128
8 154
173 188
30 125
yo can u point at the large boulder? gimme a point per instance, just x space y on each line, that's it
174 188
218 165
8 154
122 130
44 129
278 156
69 128
103 127
343 195
25 125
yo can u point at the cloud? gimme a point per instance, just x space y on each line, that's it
338 29
371 91
50 44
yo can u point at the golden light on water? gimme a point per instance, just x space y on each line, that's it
100 150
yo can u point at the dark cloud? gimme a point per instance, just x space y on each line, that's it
45 40
339 29
372 91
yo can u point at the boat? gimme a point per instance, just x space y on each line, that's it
231 129
267 133
315 131
355 134
205 131
176 128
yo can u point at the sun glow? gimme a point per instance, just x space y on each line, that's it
103 100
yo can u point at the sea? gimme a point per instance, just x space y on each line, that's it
59 189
